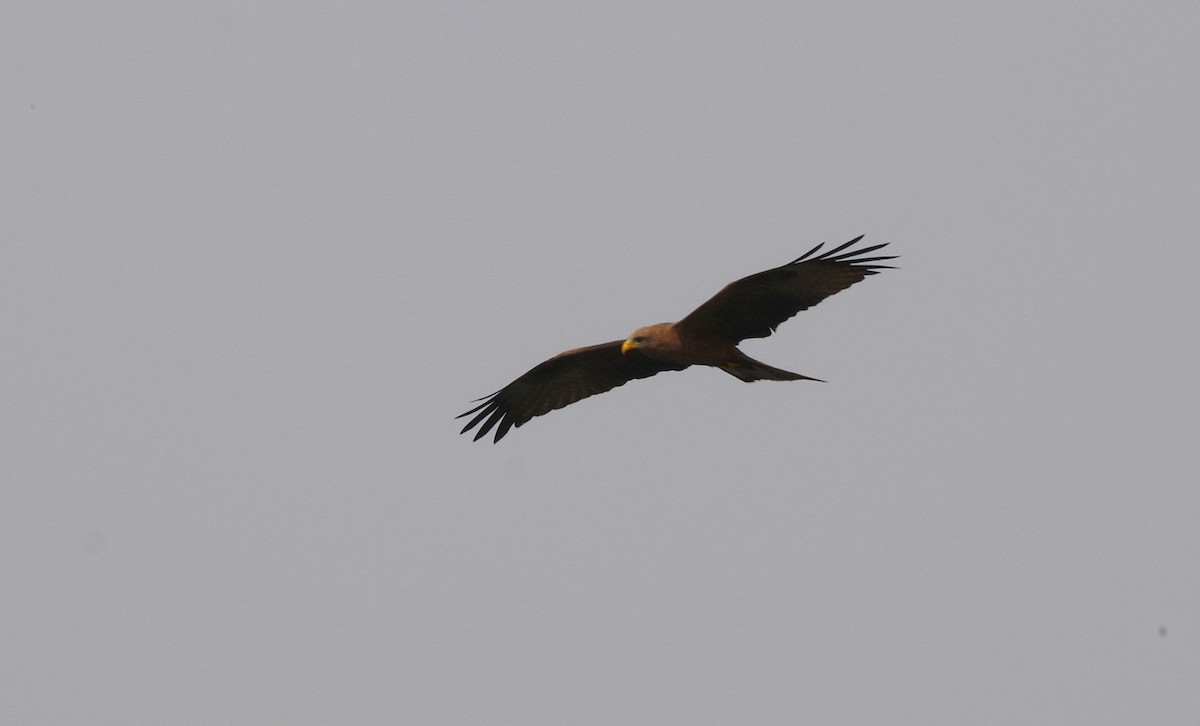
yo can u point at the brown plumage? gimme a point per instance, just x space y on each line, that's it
751 307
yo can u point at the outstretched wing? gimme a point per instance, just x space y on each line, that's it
754 306
564 379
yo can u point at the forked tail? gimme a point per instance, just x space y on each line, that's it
749 370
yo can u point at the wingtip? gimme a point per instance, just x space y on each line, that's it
838 254
806 255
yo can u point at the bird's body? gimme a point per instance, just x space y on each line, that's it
669 345
751 307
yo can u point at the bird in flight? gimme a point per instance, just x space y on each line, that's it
751 307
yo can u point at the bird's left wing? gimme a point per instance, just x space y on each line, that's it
564 379
754 306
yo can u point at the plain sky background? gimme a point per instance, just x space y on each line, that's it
255 257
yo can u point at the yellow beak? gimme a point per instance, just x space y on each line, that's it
627 346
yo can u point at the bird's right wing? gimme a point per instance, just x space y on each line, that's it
564 379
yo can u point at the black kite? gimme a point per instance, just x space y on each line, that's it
752 307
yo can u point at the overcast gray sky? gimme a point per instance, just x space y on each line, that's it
255 257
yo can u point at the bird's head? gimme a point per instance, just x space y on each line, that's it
646 339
